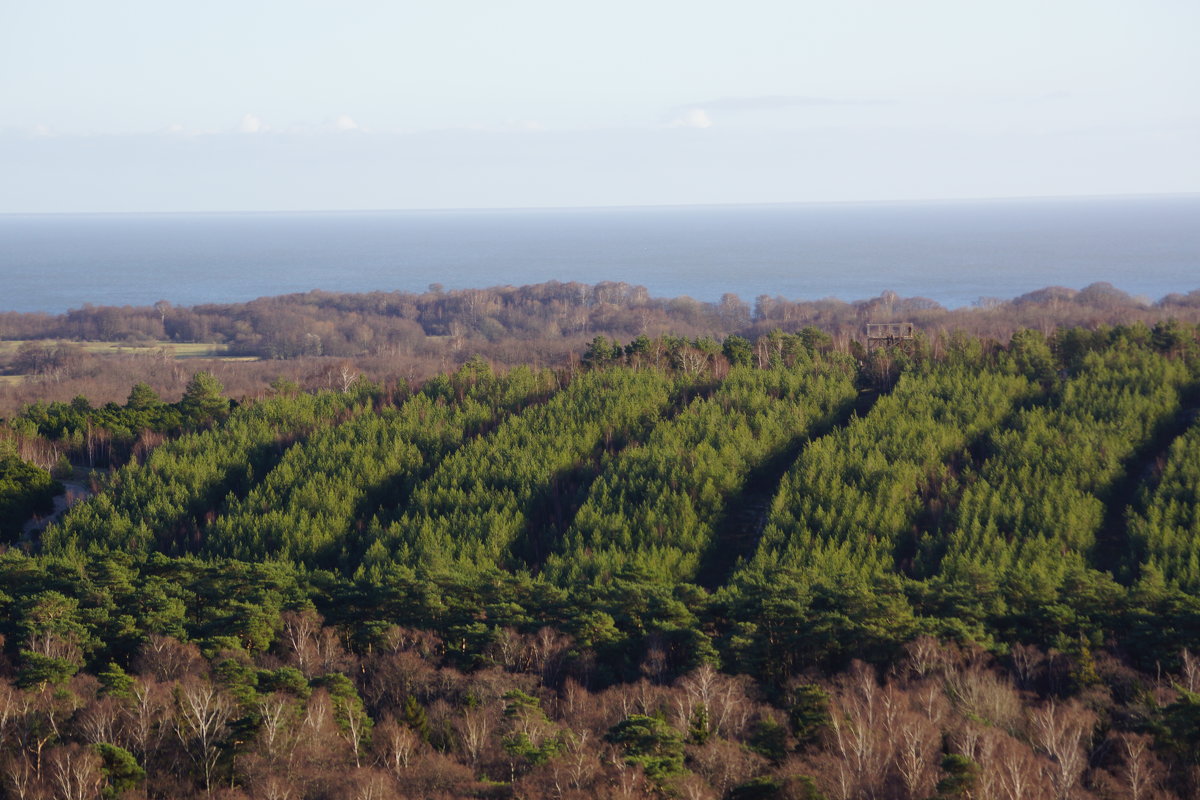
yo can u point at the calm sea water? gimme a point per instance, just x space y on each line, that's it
954 253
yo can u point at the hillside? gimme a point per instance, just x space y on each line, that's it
758 566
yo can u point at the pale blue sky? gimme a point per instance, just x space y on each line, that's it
171 106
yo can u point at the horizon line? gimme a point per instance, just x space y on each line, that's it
618 206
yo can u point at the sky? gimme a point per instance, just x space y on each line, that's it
256 105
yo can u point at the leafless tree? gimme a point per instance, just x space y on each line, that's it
917 744
347 375
642 697
1021 773
331 655
1026 661
925 656
268 782
322 744
202 713
318 715
99 721
75 772
510 649
724 697
299 638
365 783
629 781
547 653
392 676
167 659
50 644
980 693
14 705
474 727
580 762
1140 773
981 744
1062 731
277 731
396 746
353 728
1189 671
697 688
144 714
436 774
694 787
21 777
858 732
725 763
691 360
930 700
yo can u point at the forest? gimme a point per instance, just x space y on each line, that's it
321 340
746 561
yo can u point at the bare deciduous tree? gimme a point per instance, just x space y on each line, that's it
75 772
694 787
1026 662
269 783
167 659
925 656
980 693
100 719
202 712
1140 773
20 777
365 783
395 746
299 638
144 715
548 652
14 705
1189 671
1021 773
277 730
724 697
1062 731
331 655
474 727
580 761
725 764
917 744
858 735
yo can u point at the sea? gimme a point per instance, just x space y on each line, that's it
956 253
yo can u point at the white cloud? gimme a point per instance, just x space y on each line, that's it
508 125
345 122
775 101
691 118
251 124
734 110
180 130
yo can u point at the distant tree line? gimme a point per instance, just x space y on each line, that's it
344 325
323 340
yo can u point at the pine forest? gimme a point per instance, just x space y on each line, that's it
701 568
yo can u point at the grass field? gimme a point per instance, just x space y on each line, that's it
175 349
